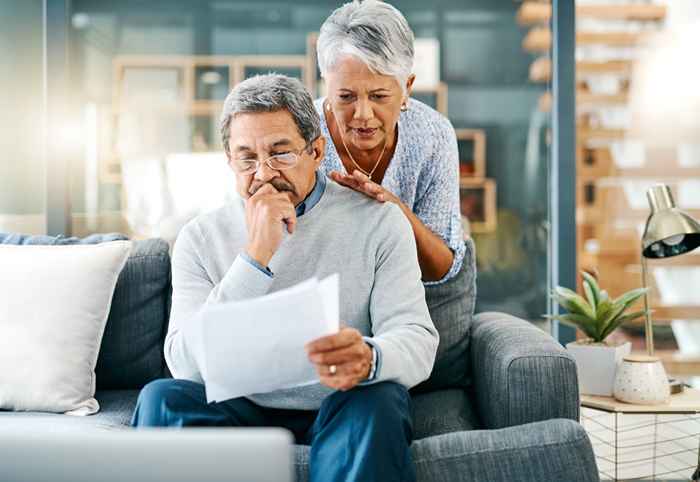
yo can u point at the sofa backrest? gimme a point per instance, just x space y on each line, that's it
131 354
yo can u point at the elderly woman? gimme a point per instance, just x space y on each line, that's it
384 144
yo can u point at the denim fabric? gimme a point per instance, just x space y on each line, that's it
520 373
361 435
451 306
131 353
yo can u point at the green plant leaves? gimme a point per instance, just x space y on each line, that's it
584 323
596 315
590 286
631 296
573 302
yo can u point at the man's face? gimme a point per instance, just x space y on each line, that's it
259 135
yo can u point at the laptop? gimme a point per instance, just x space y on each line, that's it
149 455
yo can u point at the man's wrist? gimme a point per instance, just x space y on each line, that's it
261 256
372 370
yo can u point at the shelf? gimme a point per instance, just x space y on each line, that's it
532 13
647 12
585 134
585 98
611 39
609 67
541 68
539 39
676 312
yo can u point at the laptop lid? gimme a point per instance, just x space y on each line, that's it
149 455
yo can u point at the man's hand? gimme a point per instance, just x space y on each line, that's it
268 213
347 352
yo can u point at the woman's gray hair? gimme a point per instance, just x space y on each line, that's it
374 32
271 93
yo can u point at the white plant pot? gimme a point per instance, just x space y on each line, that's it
597 365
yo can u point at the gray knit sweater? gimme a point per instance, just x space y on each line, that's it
369 244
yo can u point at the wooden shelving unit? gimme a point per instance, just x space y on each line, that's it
606 221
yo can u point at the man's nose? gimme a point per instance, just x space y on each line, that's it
363 111
265 172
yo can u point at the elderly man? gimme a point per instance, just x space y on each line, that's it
292 224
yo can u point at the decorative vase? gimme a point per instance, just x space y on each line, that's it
642 380
597 364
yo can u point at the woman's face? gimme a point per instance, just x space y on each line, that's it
366 106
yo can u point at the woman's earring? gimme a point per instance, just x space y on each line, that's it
328 107
404 107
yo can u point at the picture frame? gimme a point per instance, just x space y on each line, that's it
477 200
283 64
313 77
435 97
471 165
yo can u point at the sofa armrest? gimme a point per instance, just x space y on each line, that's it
520 374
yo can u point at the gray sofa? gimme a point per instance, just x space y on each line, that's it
515 421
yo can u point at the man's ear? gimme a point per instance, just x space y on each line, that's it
319 147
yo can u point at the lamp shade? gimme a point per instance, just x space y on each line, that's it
668 231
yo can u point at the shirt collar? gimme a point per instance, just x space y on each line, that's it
314 196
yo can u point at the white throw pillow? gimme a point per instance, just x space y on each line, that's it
54 303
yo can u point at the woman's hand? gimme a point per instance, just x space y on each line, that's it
362 184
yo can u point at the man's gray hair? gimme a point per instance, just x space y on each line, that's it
271 93
374 32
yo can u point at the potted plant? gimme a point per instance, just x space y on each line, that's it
597 316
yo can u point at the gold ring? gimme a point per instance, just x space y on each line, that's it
332 369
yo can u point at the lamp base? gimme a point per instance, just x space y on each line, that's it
642 380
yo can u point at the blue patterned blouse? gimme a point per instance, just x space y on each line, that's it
424 173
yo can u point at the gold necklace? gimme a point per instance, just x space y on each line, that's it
376 165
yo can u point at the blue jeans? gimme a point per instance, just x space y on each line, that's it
363 434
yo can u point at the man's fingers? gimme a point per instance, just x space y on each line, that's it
351 353
345 337
339 383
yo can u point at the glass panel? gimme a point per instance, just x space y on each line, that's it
22 177
638 125
470 67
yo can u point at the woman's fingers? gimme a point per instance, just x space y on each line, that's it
360 183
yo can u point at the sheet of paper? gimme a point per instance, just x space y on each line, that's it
257 346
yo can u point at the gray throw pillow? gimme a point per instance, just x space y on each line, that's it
451 306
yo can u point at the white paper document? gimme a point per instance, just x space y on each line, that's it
257 346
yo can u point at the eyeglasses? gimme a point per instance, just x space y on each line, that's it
278 162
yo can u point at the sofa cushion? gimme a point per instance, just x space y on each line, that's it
443 411
116 409
131 354
132 346
554 450
451 307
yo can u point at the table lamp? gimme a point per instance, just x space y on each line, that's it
668 232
